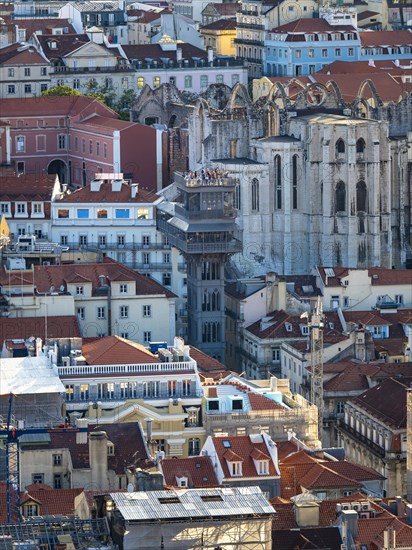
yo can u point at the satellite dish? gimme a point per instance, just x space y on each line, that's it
130 488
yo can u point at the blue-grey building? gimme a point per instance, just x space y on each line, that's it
305 46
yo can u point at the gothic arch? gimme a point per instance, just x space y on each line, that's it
271 112
279 89
360 107
340 197
239 91
334 88
375 96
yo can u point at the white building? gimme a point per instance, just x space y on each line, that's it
108 298
118 220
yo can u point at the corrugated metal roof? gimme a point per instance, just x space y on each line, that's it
28 439
191 503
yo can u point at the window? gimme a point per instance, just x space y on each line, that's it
298 54
122 213
10 72
142 213
61 141
82 213
57 460
62 213
275 354
235 468
102 240
235 79
83 145
193 446
57 481
124 312
219 78
20 144
4 208
146 258
340 147
156 81
27 71
11 89
399 299
98 148
294 182
90 147
37 478
360 145
255 195
20 207
120 240
324 52
102 214
147 311
104 150
147 336
361 205
311 52
69 392
340 407
166 279
43 87
340 197
204 81
27 88
140 82
79 290
211 332
80 313
351 52
263 467
188 81
64 240
337 52
278 181
124 335
123 289
30 510
101 312
146 240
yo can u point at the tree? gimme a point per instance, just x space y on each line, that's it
126 100
60 91
105 94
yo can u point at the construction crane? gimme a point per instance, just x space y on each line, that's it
10 431
316 323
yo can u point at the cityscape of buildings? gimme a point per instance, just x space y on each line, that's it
206 275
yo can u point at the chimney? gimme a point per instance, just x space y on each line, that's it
134 189
95 185
350 519
400 507
149 422
307 514
81 437
408 349
117 185
179 55
275 293
39 346
273 383
210 56
389 539
98 459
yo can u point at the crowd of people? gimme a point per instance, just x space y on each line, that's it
214 176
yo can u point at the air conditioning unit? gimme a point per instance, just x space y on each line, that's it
356 506
345 506
364 505
178 355
364 515
165 355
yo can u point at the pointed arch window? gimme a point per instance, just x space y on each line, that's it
360 145
361 196
294 182
255 194
340 147
340 197
278 181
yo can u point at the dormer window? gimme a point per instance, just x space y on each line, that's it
288 327
235 469
181 481
263 467
304 330
52 44
110 448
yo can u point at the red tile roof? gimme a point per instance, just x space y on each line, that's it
64 44
311 25
43 25
20 54
386 38
322 477
53 502
205 362
32 186
56 276
106 195
378 275
155 52
241 449
23 328
52 106
386 401
113 350
198 470
220 25
229 8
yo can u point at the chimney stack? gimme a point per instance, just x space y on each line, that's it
134 189
98 459
179 55
210 56
350 519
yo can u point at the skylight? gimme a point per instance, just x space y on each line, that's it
226 444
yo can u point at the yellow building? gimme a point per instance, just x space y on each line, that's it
220 36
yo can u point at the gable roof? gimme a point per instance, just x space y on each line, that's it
21 54
243 449
65 44
42 106
386 38
386 401
314 25
113 350
221 25
107 195
155 52
43 25
197 469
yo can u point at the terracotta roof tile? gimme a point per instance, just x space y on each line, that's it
229 8
23 328
322 477
64 44
386 38
27 186
205 362
198 470
43 106
113 350
43 25
261 403
220 25
241 448
311 25
106 195
14 53
154 51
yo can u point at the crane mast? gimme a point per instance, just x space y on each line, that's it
316 324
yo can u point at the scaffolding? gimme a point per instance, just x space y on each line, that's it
44 532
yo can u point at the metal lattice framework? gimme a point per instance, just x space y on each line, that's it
46 530
316 324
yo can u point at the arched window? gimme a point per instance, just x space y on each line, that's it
361 205
278 181
360 145
255 195
215 300
340 197
340 146
211 332
294 182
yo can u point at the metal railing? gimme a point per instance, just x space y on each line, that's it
374 447
138 368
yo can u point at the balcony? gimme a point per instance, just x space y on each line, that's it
249 42
186 182
376 449
252 26
123 396
218 214
124 370
63 69
152 266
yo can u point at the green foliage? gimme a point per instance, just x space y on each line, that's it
60 91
